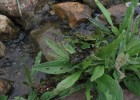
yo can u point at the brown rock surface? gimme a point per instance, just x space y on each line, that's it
2 50
5 86
74 12
7 29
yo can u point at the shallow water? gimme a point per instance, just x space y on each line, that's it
19 52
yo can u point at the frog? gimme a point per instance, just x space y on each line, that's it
79 56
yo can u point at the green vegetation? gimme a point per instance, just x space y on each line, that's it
113 58
19 7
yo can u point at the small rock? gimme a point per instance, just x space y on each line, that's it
7 29
117 13
28 9
74 12
2 50
50 31
92 3
5 86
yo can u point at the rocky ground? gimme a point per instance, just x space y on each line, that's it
23 32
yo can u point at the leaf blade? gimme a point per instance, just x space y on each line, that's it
108 88
97 72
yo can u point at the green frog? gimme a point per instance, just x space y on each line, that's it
79 56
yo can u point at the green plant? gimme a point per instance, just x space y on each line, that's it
19 7
114 58
3 97
30 77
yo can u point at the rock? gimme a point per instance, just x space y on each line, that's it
24 15
74 12
117 13
7 29
50 31
5 86
2 50
92 3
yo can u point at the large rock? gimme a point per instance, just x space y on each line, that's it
50 31
7 29
11 7
24 11
92 3
5 86
2 50
74 12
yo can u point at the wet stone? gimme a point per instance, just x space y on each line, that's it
2 50
5 86
8 30
29 9
12 65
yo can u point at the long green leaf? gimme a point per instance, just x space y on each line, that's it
38 58
87 62
19 7
37 61
105 12
71 90
64 84
88 90
69 81
135 60
128 17
58 49
133 47
97 72
136 25
69 48
28 75
54 67
108 88
108 50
